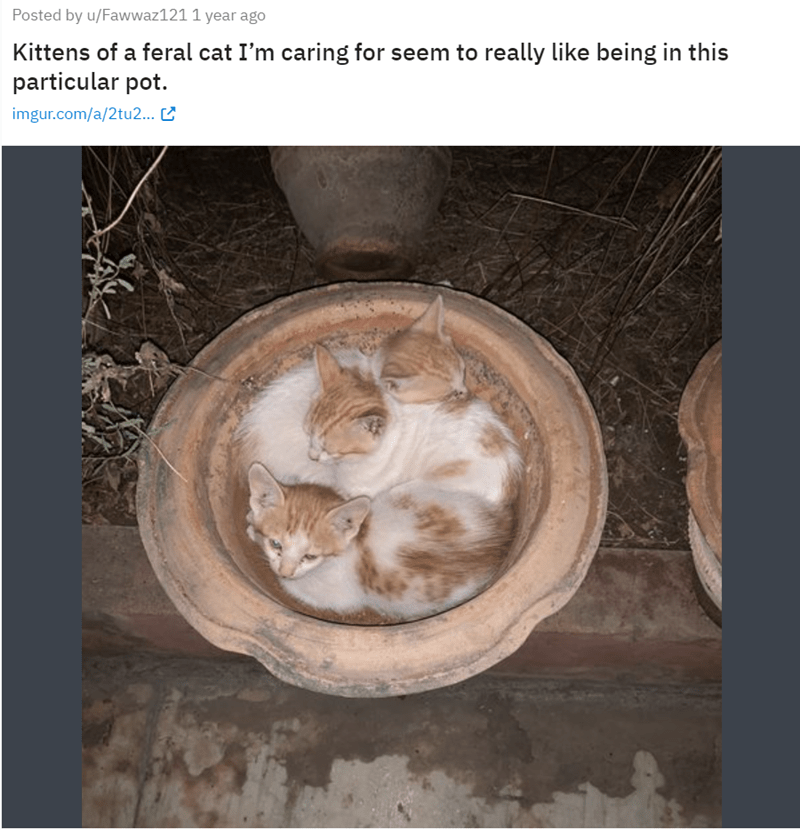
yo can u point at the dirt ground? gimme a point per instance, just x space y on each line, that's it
612 254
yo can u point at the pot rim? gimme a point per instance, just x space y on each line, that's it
700 456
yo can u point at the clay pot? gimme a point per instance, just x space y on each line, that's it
363 209
192 510
700 425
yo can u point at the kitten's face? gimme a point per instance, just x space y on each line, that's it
299 527
348 415
421 364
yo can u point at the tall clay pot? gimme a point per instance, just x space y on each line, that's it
363 209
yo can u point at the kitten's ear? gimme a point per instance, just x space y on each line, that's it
432 321
265 492
347 518
328 369
375 424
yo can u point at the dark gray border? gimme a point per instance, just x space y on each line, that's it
42 491
761 268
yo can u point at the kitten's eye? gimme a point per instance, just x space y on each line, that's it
310 557
275 544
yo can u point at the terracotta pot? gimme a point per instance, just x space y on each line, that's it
363 209
700 425
192 510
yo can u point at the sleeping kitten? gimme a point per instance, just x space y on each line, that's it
361 441
373 442
272 431
412 551
350 410
416 364
420 364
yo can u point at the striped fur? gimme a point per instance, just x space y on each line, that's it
349 413
274 429
420 364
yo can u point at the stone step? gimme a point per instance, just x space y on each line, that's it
639 616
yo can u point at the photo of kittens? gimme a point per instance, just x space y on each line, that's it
362 428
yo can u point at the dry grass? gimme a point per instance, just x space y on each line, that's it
612 254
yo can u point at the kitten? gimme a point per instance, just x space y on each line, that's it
272 431
349 409
361 441
416 364
412 551
420 364
373 442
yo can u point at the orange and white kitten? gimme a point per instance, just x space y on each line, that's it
420 364
372 442
416 364
412 551
273 430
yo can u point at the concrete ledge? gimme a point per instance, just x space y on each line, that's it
637 617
